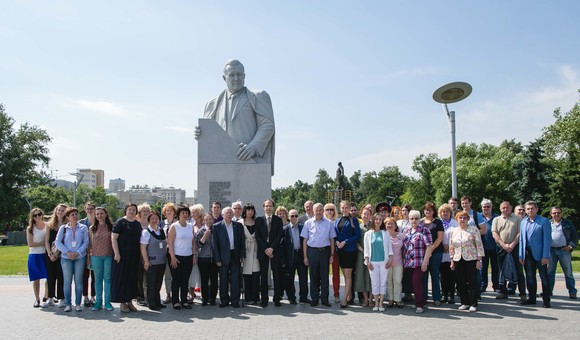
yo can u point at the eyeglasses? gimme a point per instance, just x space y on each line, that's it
293 216
37 214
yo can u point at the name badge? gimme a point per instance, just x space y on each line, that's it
74 244
160 245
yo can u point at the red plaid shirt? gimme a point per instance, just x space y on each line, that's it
416 244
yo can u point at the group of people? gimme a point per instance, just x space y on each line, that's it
384 253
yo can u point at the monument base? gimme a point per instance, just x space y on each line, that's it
222 177
227 183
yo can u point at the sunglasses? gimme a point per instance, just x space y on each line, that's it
293 216
37 215
328 209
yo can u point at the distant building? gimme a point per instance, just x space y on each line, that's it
170 194
191 201
116 185
93 177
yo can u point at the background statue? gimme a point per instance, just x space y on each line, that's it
247 116
339 176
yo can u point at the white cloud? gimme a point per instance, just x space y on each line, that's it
104 107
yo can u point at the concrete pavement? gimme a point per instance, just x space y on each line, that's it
495 318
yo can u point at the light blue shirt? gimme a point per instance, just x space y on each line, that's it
74 241
318 233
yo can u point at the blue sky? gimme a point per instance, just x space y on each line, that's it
119 85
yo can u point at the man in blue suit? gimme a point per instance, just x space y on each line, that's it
534 252
229 245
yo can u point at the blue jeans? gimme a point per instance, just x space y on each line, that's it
102 269
434 270
73 269
565 258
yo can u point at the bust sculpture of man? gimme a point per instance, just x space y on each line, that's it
247 116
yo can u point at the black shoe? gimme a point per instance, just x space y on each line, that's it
162 306
186 306
313 303
176 306
547 305
528 302
573 296
501 296
155 308
212 303
236 305
264 304
224 304
293 302
277 304
451 301
343 306
306 300
204 303
326 303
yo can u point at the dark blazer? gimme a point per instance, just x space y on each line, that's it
288 243
221 243
262 235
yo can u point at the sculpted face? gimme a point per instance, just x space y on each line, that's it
234 77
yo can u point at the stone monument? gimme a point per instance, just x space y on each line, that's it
236 144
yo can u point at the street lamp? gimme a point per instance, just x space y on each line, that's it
447 94
78 181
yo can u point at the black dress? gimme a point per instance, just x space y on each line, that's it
124 273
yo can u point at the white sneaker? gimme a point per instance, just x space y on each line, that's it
68 308
473 309
381 309
375 309
79 308
419 310
62 304
463 307
48 303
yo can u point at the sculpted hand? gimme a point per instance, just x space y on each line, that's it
246 152
197 132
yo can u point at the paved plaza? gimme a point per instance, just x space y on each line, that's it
495 319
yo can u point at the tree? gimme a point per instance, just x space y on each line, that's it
483 171
562 147
532 175
292 197
23 155
47 197
321 186
421 190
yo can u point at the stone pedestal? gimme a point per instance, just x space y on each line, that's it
222 177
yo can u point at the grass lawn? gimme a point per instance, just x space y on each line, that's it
13 260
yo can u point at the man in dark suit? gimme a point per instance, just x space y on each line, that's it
269 230
294 259
229 246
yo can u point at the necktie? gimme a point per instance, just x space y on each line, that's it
269 227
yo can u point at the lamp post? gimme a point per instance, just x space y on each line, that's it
79 178
447 94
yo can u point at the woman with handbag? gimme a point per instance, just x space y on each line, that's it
52 258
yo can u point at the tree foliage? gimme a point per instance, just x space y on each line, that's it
562 146
23 155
